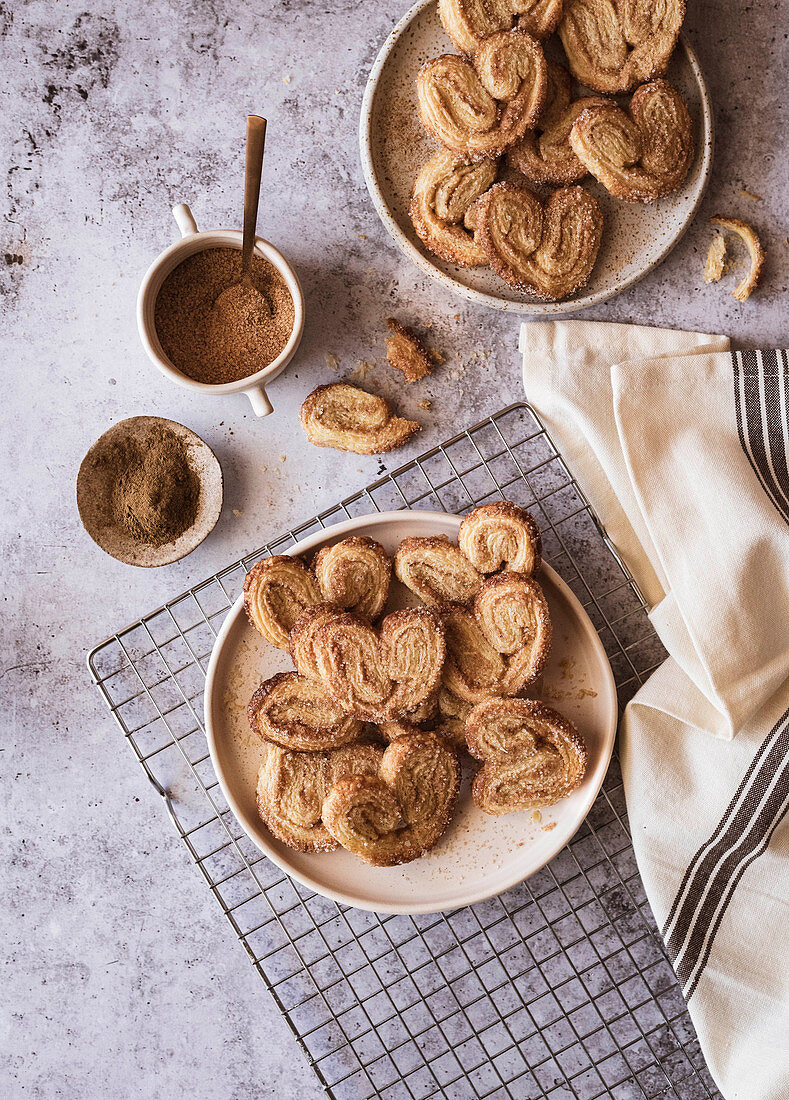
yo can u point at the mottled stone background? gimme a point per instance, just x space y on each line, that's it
120 977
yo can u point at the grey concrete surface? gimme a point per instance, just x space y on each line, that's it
120 976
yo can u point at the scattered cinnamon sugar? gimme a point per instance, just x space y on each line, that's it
213 327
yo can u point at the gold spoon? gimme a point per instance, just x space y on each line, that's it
256 140
245 289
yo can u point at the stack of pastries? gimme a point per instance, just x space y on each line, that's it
500 107
362 741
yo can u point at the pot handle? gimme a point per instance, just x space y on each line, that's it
261 406
185 219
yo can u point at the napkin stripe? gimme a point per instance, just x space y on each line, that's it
743 834
761 389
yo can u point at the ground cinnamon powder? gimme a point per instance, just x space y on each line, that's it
215 328
156 494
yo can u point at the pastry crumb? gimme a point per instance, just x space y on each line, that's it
332 362
750 239
238 512
547 828
360 372
406 352
424 404
536 817
715 266
750 195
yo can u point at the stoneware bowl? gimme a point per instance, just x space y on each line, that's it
95 485
480 855
394 147
194 241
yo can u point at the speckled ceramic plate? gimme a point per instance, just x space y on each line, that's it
95 484
478 856
394 147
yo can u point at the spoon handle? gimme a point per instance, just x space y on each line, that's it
256 140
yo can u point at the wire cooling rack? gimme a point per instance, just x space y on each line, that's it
560 987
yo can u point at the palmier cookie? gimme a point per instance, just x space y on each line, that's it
292 786
469 22
532 755
501 535
640 154
349 419
276 591
401 813
296 713
354 575
479 108
544 154
546 250
378 675
613 45
444 190
436 570
501 646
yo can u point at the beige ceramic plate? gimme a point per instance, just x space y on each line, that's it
394 147
94 495
478 856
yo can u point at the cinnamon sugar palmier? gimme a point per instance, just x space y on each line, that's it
532 755
348 419
354 574
501 536
443 192
378 675
502 645
296 713
544 154
479 108
276 591
292 787
613 45
302 638
640 154
436 570
469 22
400 814
547 250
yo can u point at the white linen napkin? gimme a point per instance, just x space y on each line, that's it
682 447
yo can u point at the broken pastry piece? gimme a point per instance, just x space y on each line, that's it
715 266
406 352
349 419
744 289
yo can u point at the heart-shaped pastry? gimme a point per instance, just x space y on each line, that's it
640 154
544 154
479 108
296 713
292 787
501 536
378 675
276 591
613 45
348 419
546 250
469 22
444 190
436 570
501 646
492 537
402 812
354 574
532 755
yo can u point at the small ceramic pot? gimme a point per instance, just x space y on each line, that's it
193 241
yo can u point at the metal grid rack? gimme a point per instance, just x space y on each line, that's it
560 987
